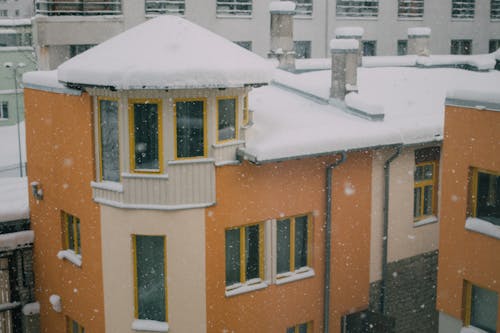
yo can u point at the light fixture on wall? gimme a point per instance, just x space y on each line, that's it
36 190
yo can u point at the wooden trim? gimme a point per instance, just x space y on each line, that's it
422 184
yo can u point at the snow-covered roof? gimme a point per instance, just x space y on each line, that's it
13 199
167 52
282 7
47 80
295 116
9 150
344 44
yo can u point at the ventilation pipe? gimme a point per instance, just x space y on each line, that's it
282 13
344 67
352 33
418 41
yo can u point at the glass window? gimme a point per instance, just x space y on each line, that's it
303 7
481 308
356 8
369 48
292 244
74 327
71 227
300 328
146 136
461 46
402 47
487 196
410 8
151 298
190 128
495 10
226 119
109 143
4 110
302 49
234 7
75 50
159 7
494 45
244 254
245 44
425 183
463 9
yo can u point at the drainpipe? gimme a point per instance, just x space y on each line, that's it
387 173
328 233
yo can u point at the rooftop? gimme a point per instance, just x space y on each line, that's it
13 199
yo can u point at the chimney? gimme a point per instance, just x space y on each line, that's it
282 13
344 67
418 41
352 33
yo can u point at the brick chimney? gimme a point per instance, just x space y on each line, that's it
352 33
344 67
418 41
282 13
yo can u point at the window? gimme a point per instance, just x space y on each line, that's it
150 278
71 233
4 110
16 13
75 50
302 49
159 7
369 48
227 123
402 47
245 44
410 8
300 328
357 8
293 244
461 46
246 115
303 7
494 45
108 138
495 10
485 196
481 308
234 7
463 9
145 135
74 327
3 13
425 183
190 129
244 255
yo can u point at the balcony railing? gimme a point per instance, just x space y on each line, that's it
78 7
159 7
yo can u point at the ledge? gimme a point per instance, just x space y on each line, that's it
300 274
228 143
145 175
71 256
427 220
143 325
242 288
471 329
119 204
200 160
482 227
109 186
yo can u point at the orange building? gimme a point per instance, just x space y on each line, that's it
469 264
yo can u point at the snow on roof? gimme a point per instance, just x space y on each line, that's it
167 52
9 150
13 199
282 7
419 31
14 22
476 95
13 240
46 80
344 44
349 31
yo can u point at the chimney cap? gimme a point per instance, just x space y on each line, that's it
349 32
282 7
343 45
419 32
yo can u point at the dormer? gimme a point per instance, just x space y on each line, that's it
170 104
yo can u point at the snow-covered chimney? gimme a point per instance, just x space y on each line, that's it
344 67
352 33
418 41
282 13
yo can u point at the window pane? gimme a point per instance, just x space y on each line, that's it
70 231
227 119
232 256
150 259
484 309
428 200
190 129
283 246
428 171
300 242
303 328
252 252
109 140
419 173
417 192
488 197
77 234
146 136
290 330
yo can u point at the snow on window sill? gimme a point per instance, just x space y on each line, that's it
228 143
471 329
483 227
191 160
299 274
235 16
242 288
143 325
144 175
70 256
427 220
107 185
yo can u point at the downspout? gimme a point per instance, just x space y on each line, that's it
387 173
328 233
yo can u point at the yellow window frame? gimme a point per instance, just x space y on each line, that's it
131 123
292 239
74 231
474 188
236 109
297 327
205 144
70 323
136 290
99 132
422 184
246 116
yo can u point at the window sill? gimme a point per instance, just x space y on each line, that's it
228 143
410 18
144 175
71 256
142 325
303 17
194 160
242 288
357 18
235 16
301 273
427 220
471 329
482 227
107 185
